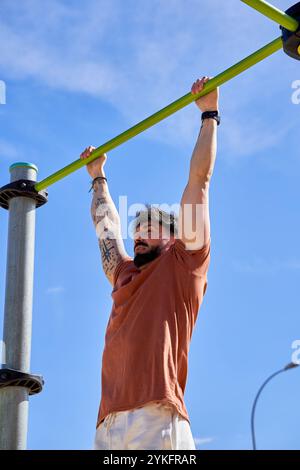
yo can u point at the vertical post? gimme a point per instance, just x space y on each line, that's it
18 310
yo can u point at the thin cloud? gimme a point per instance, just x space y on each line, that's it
243 140
202 441
141 59
265 266
7 150
55 290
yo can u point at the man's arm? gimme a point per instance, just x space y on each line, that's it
105 218
194 223
108 228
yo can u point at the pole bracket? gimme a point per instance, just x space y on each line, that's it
23 188
291 39
16 378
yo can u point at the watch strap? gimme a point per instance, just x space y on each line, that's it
211 115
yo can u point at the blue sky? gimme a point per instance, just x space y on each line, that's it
78 73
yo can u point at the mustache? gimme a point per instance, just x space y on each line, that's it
140 243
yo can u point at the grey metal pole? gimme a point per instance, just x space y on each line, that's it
18 310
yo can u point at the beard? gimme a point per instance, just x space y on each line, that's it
143 258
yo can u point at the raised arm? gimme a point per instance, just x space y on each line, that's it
194 222
105 218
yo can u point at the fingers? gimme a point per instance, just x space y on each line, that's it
198 85
87 152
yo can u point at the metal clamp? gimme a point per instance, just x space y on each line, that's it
291 39
16 378
24 188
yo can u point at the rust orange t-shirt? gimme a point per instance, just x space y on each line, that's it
149 330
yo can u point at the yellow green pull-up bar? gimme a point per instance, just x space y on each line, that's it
288 22
274 14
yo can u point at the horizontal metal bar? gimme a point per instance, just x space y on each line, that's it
165 112
274 14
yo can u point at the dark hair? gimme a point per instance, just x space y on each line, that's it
152 213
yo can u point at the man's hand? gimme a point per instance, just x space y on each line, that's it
208 102
94 168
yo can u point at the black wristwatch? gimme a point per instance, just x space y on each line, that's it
211 115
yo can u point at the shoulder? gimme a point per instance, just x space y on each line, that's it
194 260
124 267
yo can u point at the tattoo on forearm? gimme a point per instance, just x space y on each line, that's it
110 255
100 200
107 223
106 250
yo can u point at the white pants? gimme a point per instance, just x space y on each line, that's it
154 426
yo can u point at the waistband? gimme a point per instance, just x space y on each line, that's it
110 418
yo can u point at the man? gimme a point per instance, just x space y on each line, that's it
156 298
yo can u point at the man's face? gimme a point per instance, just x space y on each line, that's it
150 239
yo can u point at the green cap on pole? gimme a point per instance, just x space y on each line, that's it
24 164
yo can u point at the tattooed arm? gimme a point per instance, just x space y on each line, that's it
108 228
105 217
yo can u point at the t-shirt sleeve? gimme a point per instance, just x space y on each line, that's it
121 267
195 261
